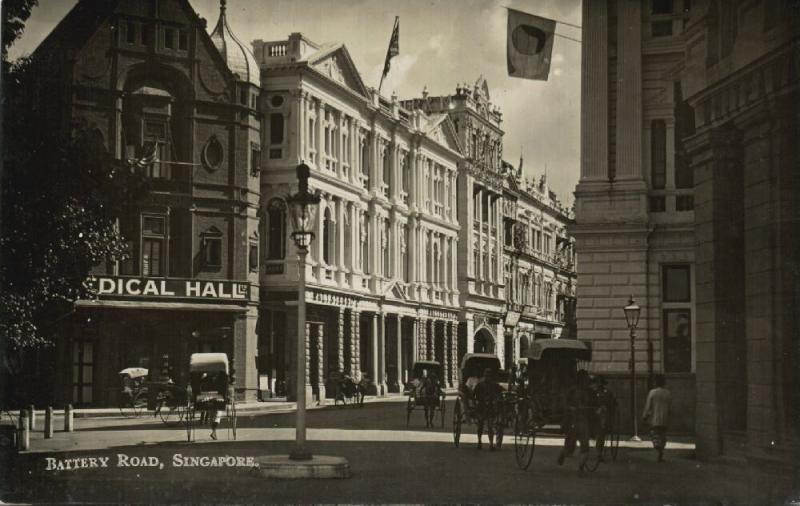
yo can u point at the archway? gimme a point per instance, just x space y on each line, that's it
484 341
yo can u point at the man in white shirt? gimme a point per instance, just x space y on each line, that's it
656 413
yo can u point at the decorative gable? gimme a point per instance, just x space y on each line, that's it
335 63
444 133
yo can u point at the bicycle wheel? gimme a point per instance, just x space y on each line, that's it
524 439
457 422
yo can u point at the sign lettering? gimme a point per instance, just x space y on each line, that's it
110 286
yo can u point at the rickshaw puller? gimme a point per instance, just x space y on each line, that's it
576 423
487 396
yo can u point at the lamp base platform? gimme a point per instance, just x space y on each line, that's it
635 439
318 467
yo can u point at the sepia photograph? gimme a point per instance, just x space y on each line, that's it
400 251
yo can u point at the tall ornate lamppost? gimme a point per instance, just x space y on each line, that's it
302 208
632 311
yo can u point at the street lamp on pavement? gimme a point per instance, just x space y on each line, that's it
302 208
632 311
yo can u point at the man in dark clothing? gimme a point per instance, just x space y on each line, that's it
580 403
487 400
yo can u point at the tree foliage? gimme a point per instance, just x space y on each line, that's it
61 197
15 14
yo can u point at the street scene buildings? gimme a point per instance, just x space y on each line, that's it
321 241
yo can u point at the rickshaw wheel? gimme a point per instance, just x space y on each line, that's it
524 440
409 408
189 423
442 408
614 435
138 403
233 419
457 422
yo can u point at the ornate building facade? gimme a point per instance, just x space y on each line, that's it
382 282
480 202
539 264
688 171
150 81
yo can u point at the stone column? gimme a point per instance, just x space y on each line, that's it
340 340
629 89
320 133
446 361
340 238
380 380
399 348
321 363
594 90
415 340
355 340
454 365
373 370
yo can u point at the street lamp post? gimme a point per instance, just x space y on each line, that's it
302 206
632 311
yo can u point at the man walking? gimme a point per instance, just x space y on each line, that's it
656 413
580 403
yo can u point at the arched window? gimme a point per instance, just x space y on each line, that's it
328 234
276 239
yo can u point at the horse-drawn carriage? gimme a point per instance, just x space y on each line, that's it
346 390
473 366
542 399
425 390
210 392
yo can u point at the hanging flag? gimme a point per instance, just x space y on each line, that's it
394 49
530 45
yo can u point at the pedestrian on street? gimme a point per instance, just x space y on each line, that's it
656 413
580 405
487 399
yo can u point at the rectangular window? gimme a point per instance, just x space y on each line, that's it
276 129
658 204
130 32
658 154
676 283
661 29
662 7
677 340
684 203
253 257
169 38
153 239
183 40
212 251
255 159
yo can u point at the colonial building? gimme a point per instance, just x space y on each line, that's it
151 81
382 282
480 194
686 201
539 264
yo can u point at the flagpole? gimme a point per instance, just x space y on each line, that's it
388 50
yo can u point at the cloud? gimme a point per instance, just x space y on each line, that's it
436 43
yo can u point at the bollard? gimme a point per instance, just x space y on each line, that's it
24 439
48 422
32 414
68 418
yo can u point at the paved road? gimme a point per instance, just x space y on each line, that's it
390 463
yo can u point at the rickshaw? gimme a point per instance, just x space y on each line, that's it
171 402
421 369
345 390
210 391
552 366
473 366
134 392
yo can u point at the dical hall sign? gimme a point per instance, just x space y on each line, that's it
169 288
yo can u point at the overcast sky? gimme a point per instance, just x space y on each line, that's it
442 43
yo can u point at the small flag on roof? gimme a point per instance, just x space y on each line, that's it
393 50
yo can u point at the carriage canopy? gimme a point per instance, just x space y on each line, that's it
431 366
473 364
208 362
134 372
568 348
